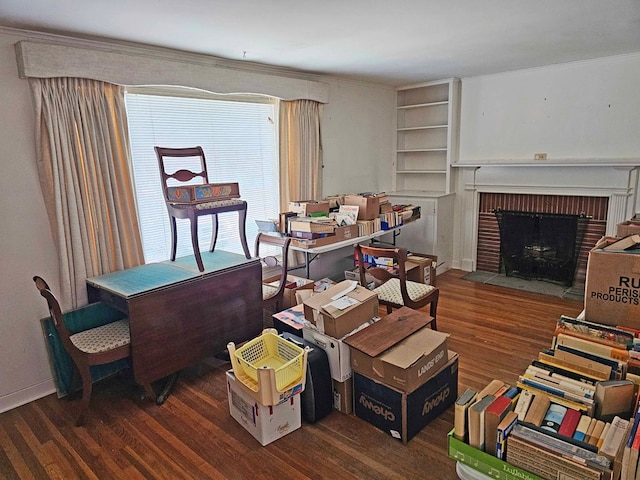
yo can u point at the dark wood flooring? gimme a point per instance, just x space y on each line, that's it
496 331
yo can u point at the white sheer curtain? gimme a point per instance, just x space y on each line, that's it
300 151
82 150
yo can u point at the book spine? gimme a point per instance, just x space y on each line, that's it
554 389
569 423
556 399
524 401
592 347
581 429
566 382
597 374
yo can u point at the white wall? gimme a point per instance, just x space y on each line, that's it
26 245
588 110
357 140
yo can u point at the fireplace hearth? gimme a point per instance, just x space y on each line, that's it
540 246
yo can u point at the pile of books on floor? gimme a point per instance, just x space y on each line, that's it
573 413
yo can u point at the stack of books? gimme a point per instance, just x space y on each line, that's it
573 414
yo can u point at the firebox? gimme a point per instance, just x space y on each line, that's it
540 246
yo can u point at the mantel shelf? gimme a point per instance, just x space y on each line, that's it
555 162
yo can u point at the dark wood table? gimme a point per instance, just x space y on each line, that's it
179 315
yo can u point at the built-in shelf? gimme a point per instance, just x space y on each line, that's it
551 162
422 105
413 129
426 135
419 193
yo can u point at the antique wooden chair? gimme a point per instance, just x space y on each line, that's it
396 291
95 346
193 210
272 295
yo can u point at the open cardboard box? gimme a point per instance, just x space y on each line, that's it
327 314
400 350
402 414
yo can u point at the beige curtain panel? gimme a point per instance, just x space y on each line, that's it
300 151
84 167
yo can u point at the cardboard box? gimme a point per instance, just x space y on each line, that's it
266 424
369 207
306 207
400 350
341 233
294 284
426 268
329 318
403 414
337 351
290 320
355 276
343 396
612 290
627 228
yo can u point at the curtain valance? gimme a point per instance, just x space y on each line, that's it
127 66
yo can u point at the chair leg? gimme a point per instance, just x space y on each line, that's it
174 235
242 223
86 395
75 383
214 232
194 242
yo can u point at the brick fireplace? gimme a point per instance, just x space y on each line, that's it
605 190
594 209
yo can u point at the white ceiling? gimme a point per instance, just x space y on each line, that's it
386 41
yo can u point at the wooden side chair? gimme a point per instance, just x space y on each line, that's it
96 346
272 295
396 291
193 210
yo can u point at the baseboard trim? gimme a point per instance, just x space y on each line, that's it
26 395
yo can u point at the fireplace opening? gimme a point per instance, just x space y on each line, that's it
540 246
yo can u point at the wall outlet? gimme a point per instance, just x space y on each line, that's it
539 156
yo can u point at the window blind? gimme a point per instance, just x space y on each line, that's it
239 139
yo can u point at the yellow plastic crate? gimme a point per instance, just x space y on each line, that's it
270 367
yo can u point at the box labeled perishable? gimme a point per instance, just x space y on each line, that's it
341 308
612 290
403 414
400 350
307 207
265 423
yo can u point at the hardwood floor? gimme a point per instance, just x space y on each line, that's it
496 331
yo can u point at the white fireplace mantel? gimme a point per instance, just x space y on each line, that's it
617 179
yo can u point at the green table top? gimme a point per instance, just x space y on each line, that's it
145 278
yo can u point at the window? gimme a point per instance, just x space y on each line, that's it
239 137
